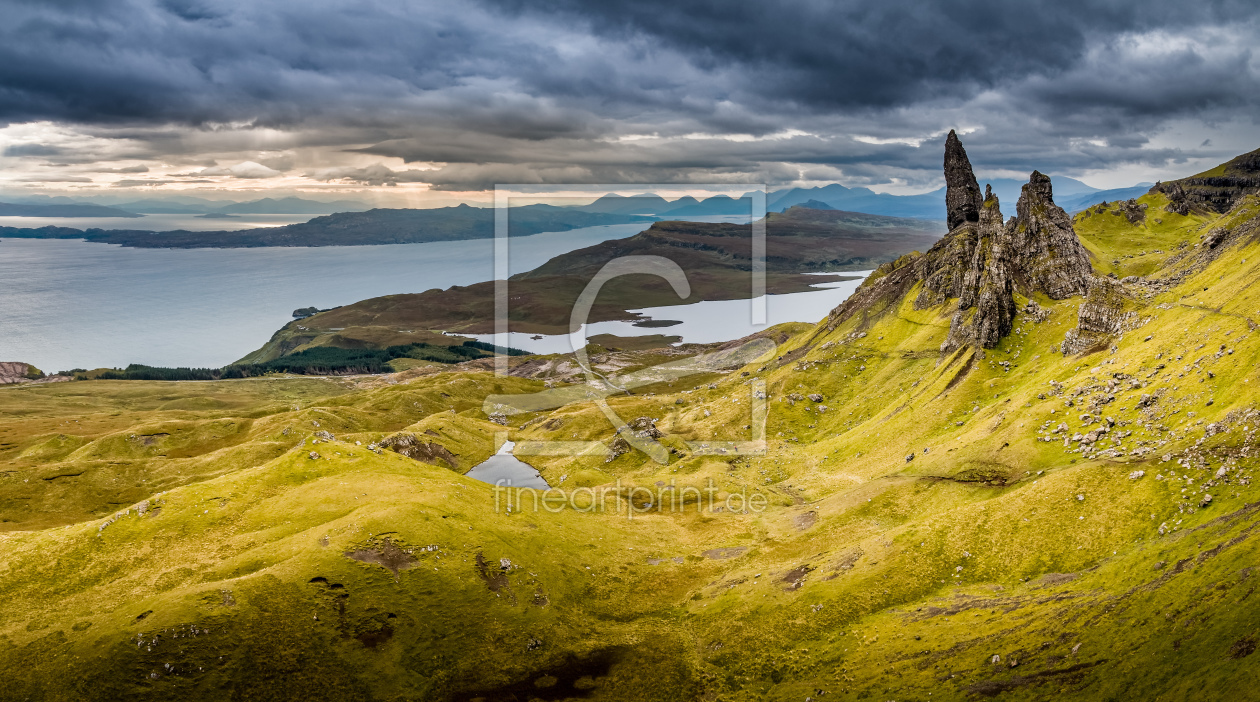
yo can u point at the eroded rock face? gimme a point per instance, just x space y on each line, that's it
962 194
1049 255
645 428
986 305
883 289
944 268
12 372
415 448
1217 193
1100 316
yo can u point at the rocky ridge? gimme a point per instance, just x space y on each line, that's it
1217 190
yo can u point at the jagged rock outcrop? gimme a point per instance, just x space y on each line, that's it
1131 210
1100 316
1049 255
962 192
986 305
415 448
983 261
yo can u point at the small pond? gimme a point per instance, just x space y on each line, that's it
507 470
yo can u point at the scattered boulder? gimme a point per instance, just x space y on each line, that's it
645 427
619 447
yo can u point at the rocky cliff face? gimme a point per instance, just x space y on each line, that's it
1216 190
944 268
12 372
983 261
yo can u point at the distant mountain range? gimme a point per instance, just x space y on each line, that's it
658 206
1070 194
293 205
22 210
68 207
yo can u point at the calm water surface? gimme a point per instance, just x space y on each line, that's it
73 304
708 321
507 470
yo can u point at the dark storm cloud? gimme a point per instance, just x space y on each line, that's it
641 91
837 55
31 150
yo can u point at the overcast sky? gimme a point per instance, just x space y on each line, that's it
418 101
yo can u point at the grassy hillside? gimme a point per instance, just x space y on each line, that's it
1010 522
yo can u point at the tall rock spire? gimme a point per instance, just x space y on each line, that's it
962 194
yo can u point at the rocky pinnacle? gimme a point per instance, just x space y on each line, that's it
1051 258
982 262
962 194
